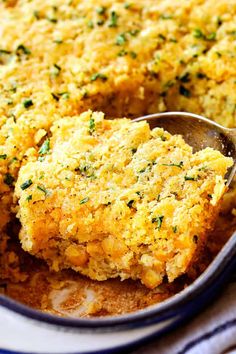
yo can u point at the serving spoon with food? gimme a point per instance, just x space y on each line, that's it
199 132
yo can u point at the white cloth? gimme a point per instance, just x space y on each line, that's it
211 332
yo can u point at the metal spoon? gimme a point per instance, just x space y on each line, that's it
199 132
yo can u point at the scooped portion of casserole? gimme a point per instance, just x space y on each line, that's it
112 198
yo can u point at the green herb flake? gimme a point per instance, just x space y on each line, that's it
233 33
64 95
41 158
26 184
211 36
197 33
163 138
101 10
179 165
100 22
90 24
166 17
201 75
100 76
133 55
158 220
130 203
43 189
189 178
4 51
3 157
29 197
8 179
85 94
184 91
121 39
162 37
56 98
45 147
174 228
58 41
185 77
219 21
52 19
91 125
209 196
36 14
56 69
28 103
122 53
127 5
22 49
113 19
85 200
134 32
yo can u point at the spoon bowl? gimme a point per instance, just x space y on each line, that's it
199 132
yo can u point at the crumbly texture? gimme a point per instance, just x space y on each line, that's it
126 58
60 58
113 198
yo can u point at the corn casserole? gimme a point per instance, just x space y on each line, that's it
125 58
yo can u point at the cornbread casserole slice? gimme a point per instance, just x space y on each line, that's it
112 198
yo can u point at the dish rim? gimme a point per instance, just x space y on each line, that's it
169 308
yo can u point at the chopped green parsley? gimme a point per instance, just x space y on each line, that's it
133 32
121 39
3 157
180 165
26 184
130 203
43 189
85 200
197 33
4 51
8 179
58 41
185 77
174 228
133 55
96 76
56 98
45 147
56 69
90 24
158 220
101 10
113 19
189 178
29 197
28 103
91 125
184 91
21 49
127 5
